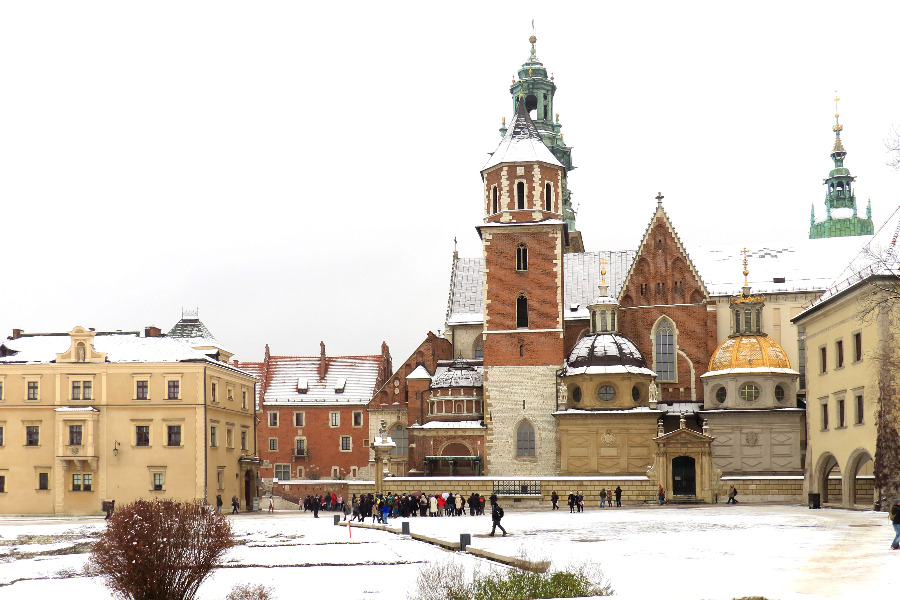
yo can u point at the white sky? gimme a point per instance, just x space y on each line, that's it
299 170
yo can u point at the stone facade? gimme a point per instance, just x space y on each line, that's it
514 394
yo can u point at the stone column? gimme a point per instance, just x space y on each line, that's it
382 446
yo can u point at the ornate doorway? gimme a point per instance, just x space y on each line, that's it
684 476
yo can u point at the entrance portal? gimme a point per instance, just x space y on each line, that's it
684 476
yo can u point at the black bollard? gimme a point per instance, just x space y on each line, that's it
404 527
337 519
464 540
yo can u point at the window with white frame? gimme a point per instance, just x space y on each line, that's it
213 436
346 443
157 479
357 418
299 419
82 482
273 444
334 419
75 435
282 471
34 390
273 419
173 435
173 389
142 435
300 446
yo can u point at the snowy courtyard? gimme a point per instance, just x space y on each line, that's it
691 553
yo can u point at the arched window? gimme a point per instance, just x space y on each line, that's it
400 435
548 197
664 350
521 257
495 205
522 312
525 439
520 195
478 348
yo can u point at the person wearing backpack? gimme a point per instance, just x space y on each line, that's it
895 519
496 515
732 496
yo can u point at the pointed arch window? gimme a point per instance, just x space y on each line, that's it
495 203
525 439
548 197
522 312
520 195
664 350
521 257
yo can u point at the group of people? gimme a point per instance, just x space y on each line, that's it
576 499
384 506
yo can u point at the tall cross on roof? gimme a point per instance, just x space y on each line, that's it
603 270
659 198
837 122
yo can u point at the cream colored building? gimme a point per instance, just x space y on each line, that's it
843 376
87 417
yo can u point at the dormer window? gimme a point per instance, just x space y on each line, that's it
339 385
522 258
302 385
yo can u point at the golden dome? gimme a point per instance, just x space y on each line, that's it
747 352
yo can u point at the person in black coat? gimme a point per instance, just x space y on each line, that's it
618 496
554 500
496 515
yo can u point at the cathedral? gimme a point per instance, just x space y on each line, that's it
650 361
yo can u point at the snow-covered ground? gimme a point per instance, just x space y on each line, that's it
691 553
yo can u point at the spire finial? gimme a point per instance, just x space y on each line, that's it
603 270
533 39
746 272
659 198
837 121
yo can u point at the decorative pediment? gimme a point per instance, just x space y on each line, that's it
81 348
684 435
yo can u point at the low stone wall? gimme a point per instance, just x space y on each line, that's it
294 491
780 488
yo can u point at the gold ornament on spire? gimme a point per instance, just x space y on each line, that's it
837 123
603 270
746 272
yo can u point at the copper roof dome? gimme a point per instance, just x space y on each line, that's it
605 350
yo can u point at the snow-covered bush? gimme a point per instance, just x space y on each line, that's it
160 550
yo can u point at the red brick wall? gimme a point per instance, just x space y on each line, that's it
323 442
430 351
549 174
573 330
662 283
541 284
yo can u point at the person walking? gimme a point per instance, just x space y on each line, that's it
603 498
235 503
579 501
618 496
895 520
732 496
219 503
496 515
315 505
271 505
554 500
571 502
609 497
661 494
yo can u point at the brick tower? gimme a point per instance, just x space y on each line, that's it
523 239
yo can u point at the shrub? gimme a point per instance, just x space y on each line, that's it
247 591
447 581
160 550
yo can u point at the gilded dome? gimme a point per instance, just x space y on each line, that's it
749 352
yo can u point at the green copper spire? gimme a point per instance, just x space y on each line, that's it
537 90
839 196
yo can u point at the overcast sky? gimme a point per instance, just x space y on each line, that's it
299 171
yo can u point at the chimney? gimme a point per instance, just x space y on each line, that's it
17 333
152 331
322 367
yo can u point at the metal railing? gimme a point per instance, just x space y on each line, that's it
517 487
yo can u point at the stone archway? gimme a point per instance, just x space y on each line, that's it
828 488
859 485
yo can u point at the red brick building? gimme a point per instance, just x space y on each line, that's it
313 421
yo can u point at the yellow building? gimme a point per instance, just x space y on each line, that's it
88 416
843 377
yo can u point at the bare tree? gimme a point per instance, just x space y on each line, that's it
892 143
160 550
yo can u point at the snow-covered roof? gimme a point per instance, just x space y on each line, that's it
621 411
581 272
192 329
420 372
348 379
803 265
76 409
450 425
459 373
118 347
522 143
